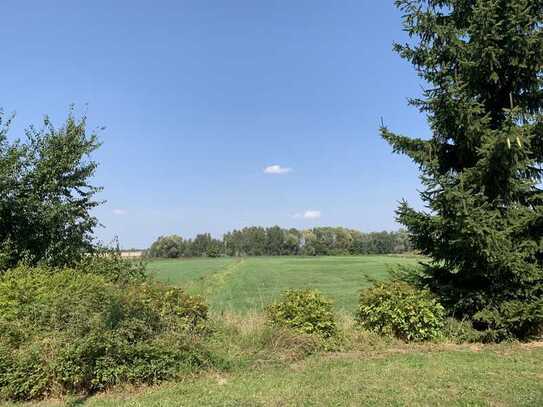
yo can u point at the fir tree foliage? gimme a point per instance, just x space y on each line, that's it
482 61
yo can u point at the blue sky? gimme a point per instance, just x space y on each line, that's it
200 97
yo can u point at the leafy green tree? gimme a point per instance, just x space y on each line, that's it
308 243
482 61
232 243
291 244
46 197
254 241
343 240
324 242
188 248
168 247
275 240
201 244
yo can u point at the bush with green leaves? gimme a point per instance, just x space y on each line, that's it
399 309
306 311
462 331
46 196
63 331
109 264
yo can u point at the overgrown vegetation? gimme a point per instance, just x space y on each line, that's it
270 365
68 331
75 317
109 264
482 166
73 331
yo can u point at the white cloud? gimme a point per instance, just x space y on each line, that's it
119 212
277 169
310 214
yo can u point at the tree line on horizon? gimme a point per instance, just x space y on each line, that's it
277 241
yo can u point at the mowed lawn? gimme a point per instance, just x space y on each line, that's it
244 284
505 375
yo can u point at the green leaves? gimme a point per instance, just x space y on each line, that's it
66 331
45 194
306 311
398 309
481 168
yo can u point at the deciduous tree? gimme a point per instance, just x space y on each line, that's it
46 196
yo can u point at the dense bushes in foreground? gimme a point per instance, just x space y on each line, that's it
399 309
392 309
305 311
65 331
104 323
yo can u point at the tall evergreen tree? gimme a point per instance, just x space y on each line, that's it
483 63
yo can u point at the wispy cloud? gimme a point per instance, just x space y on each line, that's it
277 169
119 212
310 214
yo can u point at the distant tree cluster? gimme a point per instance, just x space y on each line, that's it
276 241
174 246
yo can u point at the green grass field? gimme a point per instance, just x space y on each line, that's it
243 284
268 368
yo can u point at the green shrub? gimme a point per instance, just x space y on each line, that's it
63 331
110 265
496 317
306 311
461 331
399 309
512 319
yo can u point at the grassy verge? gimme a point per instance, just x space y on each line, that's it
461 377
277 368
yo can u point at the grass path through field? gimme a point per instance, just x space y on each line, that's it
247 284
189 273
211 284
